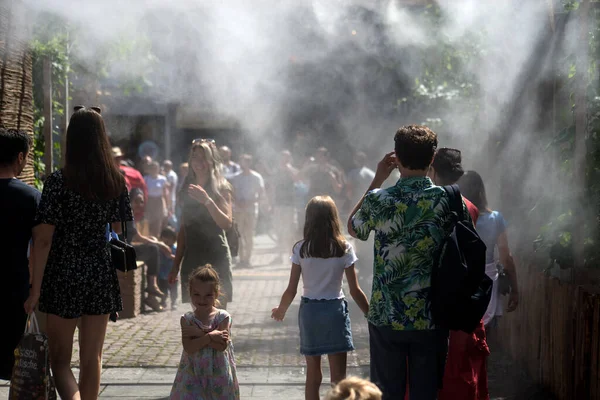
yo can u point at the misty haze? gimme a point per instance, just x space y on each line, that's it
263 109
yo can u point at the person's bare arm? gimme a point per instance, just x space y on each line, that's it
278 313
294 172
384 169
220 211
192 344
355 291
508 262
178 254
116 227
42 242
220 336
167 197
218 207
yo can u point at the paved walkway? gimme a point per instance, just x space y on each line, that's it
153 340
155 383
141 354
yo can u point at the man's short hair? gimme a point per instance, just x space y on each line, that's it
13 142
447 164
415 146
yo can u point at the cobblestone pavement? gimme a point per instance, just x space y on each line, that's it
155 383
141 354
153 340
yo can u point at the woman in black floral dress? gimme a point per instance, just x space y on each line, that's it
73 276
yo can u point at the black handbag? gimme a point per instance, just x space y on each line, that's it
122 253
233 239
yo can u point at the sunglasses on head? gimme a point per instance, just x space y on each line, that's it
97 109
202 140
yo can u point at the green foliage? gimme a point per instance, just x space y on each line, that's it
50 41
556 236
54 39
446 77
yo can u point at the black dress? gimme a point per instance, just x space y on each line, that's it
205 243
79 278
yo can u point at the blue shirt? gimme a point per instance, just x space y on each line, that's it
166 263
490 225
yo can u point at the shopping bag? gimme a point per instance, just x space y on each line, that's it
31 377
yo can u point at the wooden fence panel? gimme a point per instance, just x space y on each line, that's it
555 335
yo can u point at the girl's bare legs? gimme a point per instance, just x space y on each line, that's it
314 377
60 333
93 331
337 366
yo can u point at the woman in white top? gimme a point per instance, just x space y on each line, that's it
322 258
159 200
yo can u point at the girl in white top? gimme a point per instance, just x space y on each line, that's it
322 258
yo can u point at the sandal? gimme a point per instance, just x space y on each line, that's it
152 302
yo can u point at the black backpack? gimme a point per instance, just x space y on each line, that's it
460 289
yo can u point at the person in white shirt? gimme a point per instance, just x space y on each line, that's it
357 184
172 180
248 190
158 202
359 178
322 258
230 168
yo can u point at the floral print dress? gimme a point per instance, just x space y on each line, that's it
208 374
411 221
80 278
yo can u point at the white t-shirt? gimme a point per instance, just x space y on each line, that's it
246 189
172 179
322 277
155 185
361 178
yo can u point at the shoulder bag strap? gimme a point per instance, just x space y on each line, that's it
122 216
455 199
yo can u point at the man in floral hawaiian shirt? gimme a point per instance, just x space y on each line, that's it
411 220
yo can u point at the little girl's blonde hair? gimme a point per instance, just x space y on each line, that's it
206 273
354 388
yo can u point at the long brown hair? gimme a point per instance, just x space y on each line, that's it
90 169
217 184
472 187
323 236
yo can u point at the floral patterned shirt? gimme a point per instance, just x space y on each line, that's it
411 221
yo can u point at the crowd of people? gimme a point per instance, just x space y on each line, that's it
183 227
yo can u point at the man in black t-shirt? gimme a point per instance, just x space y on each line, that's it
18 206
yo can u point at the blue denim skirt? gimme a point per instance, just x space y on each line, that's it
324 327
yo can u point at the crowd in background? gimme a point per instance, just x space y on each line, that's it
261 194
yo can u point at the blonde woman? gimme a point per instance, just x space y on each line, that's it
206 216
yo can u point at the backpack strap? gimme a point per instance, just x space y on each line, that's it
455 200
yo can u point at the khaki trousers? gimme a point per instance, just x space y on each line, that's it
246 223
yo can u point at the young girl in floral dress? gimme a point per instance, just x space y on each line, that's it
207 367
